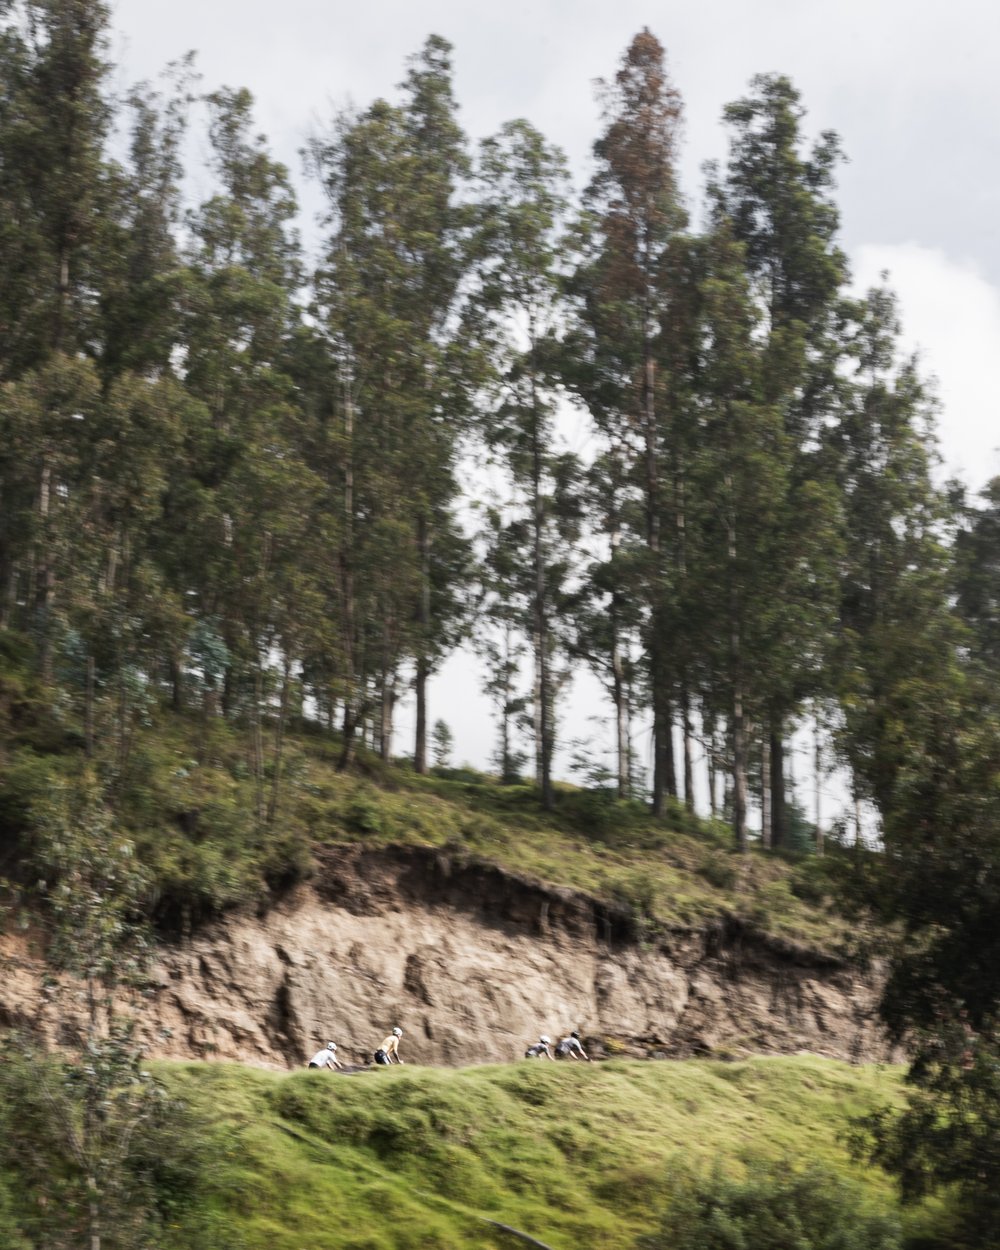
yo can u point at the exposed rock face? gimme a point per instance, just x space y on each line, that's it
473 964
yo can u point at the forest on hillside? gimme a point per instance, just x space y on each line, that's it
247 485
239 478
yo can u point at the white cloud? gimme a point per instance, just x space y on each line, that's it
951 316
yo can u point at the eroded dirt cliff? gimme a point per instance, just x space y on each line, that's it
473 963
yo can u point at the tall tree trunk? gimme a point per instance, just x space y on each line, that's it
856 794
44 576
8 594
423 665
257 740
629 734
279 741
680 522
659 743
226 698
739 760
779 819
543 705
686 729
536 702
94 1213
765 793
386 708
176 684
619 685
818 770
669 760
713 802
506 762
661 722
88 707
62 301
348 733
739 726
348 743
620 698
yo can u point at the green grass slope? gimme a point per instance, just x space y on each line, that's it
572 1155
188 799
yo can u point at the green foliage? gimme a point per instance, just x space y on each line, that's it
570 1156
774 1207
599 813
444 741
947 1137
155 1189
202 853
720 871
363 815
92 1140
11 1234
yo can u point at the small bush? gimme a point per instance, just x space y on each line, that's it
600 814
774 1207
363 815
719 871
470 776
811 881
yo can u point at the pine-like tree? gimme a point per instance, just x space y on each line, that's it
523 208
633 213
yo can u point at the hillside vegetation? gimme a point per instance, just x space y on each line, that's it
571 1155
186 797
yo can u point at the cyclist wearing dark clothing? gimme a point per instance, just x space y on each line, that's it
570 1048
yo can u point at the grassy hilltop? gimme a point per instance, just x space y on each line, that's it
187 798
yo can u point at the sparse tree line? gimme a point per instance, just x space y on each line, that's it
236 481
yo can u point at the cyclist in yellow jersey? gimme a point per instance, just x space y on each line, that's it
388 1052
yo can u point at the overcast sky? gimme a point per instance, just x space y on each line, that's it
913 89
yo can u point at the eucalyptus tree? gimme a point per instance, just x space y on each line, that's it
743 468
363 166
775 193
523 209
390 295
54 202
54 187
438 231
605 615
917 686
87 438
977 573
126 613
503 612
893 582
139 297
683 505
245 502
632 215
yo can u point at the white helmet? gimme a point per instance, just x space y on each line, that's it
331 1045
398 1032
544 1040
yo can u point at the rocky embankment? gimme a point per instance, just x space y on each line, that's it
473 963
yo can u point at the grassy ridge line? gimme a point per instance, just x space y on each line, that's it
570 1155
188 793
